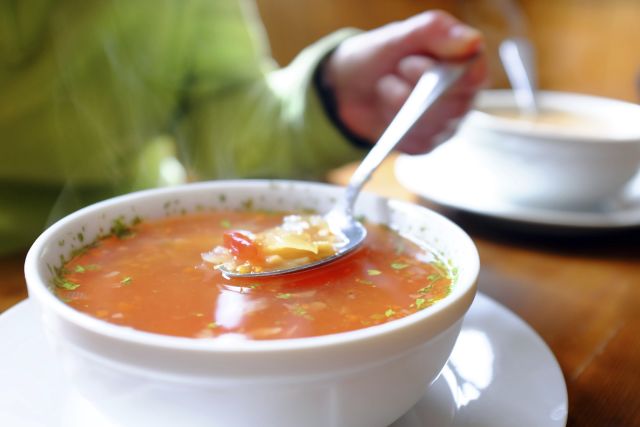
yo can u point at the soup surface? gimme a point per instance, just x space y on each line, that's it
553 119
152 277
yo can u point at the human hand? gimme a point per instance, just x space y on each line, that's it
373 73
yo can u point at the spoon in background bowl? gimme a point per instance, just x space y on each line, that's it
517 56
340 219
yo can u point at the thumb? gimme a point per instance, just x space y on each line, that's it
436 34
361 60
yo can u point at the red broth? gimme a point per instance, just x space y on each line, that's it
152 278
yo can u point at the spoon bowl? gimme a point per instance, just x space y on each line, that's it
430 87
351 231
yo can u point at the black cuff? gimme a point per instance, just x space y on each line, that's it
328 101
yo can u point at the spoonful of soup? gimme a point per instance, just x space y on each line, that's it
308 241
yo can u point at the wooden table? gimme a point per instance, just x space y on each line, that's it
580 293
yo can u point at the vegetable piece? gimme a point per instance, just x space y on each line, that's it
399 265
240 244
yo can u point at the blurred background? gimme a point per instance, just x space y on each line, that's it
584 46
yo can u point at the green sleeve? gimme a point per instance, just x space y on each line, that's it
101 99
263 122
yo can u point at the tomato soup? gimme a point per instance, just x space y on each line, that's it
151 277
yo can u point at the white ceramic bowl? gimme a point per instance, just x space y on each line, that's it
567 167
367 377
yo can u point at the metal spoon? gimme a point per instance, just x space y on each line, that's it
516 54
431 85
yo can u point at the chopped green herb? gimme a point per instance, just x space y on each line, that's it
247 205
420 303
212 325
65 284
283 296
373 272
120 229
434 277
81 237
126 281
390 312
441 267
222 198
299 311
398 265
225 223
255 285
454 274
81 250
425 290
83 268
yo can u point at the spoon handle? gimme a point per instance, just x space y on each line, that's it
517 57
432 84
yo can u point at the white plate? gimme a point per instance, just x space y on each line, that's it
451 177
501 374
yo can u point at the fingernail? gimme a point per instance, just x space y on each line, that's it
464 32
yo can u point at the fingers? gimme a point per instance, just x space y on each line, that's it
360 60
442 36
475 77
373 73
392 91
412 67
436 34
436 126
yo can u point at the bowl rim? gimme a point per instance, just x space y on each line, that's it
38 289
488 121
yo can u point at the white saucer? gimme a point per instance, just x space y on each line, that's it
500 374
450 177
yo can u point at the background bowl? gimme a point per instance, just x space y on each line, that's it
567 166
367 377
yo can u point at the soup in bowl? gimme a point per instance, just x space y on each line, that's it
147 330
578 153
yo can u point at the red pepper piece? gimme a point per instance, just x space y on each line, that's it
240 245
